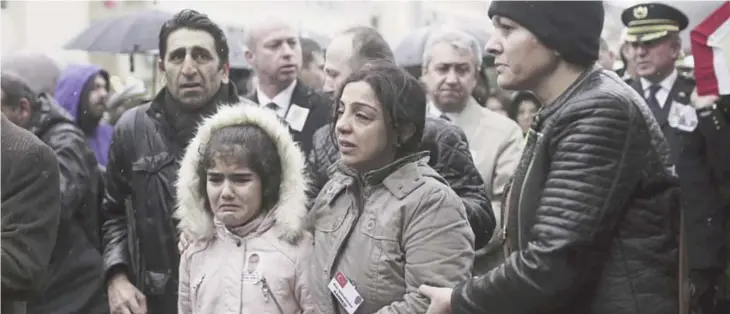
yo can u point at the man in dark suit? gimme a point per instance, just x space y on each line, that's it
272 48
653 33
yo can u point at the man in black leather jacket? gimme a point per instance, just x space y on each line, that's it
141 257
75 279
590 223
446 142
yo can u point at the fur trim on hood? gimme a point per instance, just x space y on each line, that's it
196 223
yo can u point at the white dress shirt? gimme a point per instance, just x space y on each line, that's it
663 93
282 99
435 112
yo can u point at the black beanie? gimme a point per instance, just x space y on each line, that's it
572 28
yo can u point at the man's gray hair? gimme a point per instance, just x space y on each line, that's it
458 39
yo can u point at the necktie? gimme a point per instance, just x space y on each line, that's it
275 108
272 106
652 101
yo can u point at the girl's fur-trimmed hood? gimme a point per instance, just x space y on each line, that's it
196 222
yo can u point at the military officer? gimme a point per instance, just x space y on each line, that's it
653 35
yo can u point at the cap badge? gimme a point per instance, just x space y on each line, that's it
641 12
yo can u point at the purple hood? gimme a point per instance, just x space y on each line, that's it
69 88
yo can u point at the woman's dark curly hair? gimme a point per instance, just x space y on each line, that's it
244 145
402 96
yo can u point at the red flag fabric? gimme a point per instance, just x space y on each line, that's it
711 52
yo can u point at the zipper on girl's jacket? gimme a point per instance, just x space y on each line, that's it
245 251
268 293
196 286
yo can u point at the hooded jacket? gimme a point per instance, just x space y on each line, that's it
69 89
217 272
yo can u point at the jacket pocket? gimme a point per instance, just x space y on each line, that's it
152 164
156 282
385 253
328 220
154 175
379 230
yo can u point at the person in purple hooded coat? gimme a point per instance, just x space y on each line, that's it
83 90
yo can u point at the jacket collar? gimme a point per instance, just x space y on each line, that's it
227 94
548 110
283 99
49 113
377 176
300 95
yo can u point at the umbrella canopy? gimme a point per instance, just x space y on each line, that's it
134 32
38 70
322 40
409 52
235 38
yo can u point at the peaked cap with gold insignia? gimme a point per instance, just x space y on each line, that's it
652 21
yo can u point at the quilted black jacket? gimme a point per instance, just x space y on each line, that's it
591 212
449 156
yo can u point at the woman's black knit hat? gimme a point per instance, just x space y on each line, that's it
572 28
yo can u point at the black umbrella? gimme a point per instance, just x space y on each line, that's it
130 33
235 38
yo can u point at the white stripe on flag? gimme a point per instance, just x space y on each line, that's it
719 40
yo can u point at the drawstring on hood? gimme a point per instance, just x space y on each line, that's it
287 216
